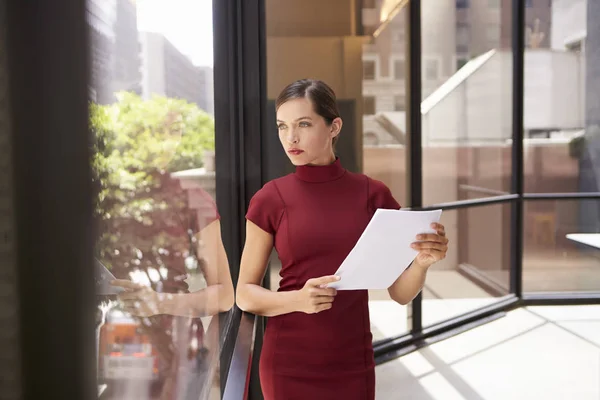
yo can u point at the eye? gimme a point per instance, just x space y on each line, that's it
281 126
304 124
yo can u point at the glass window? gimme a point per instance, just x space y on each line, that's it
460 62
576 46
151 114
398 35
561 150
493 35
462 3
475 272
369 70
399 103
369 105
399 70
561 142
465 127
432 69
561 246
462 35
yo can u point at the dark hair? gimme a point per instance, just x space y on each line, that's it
318 92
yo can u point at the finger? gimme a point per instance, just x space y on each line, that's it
432 237
129 301
125 284
435 254
136 312
130 307
440 229
422 246
322 292
324 300
129 296
324 280
324 307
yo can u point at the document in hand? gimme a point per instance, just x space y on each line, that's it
103 277
383 251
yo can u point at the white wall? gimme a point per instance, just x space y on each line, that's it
568 21
479 109
488 101
554 87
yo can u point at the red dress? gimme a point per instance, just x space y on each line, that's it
316 216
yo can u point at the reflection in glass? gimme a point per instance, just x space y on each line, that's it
476 270
159 228
561 246
561 129
467 104
383 132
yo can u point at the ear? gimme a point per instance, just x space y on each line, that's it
336 127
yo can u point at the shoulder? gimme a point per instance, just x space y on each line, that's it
377 187
266 207
380 195
373 186
270 192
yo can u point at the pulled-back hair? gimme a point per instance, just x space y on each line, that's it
318 93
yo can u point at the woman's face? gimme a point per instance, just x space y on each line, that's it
305 135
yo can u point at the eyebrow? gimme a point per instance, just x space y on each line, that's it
297 119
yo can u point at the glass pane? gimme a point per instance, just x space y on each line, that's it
476 270
358 48
151 107
561 114
383 158
561 246
368 70
466 114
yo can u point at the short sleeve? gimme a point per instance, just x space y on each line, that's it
380 196
209 207
266 208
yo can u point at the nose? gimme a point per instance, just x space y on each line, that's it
292 136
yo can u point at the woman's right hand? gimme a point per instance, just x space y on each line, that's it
315 297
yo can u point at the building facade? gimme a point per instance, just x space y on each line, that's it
168 72
453 33
115 53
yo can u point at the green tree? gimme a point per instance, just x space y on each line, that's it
144 222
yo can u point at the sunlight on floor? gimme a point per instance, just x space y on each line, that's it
532 353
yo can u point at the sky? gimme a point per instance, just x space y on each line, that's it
185 23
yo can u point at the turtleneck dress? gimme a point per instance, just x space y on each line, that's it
316 215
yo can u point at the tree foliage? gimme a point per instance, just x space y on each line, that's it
144 220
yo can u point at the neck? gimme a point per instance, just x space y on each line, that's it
325 160
320 173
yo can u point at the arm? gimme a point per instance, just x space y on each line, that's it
432 248
253 298
218 296
409 284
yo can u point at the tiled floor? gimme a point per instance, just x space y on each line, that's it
532 353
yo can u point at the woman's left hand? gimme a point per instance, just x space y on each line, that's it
432 247
138 300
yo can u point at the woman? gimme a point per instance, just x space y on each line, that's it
318 343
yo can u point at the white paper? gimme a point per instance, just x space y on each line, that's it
383 251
